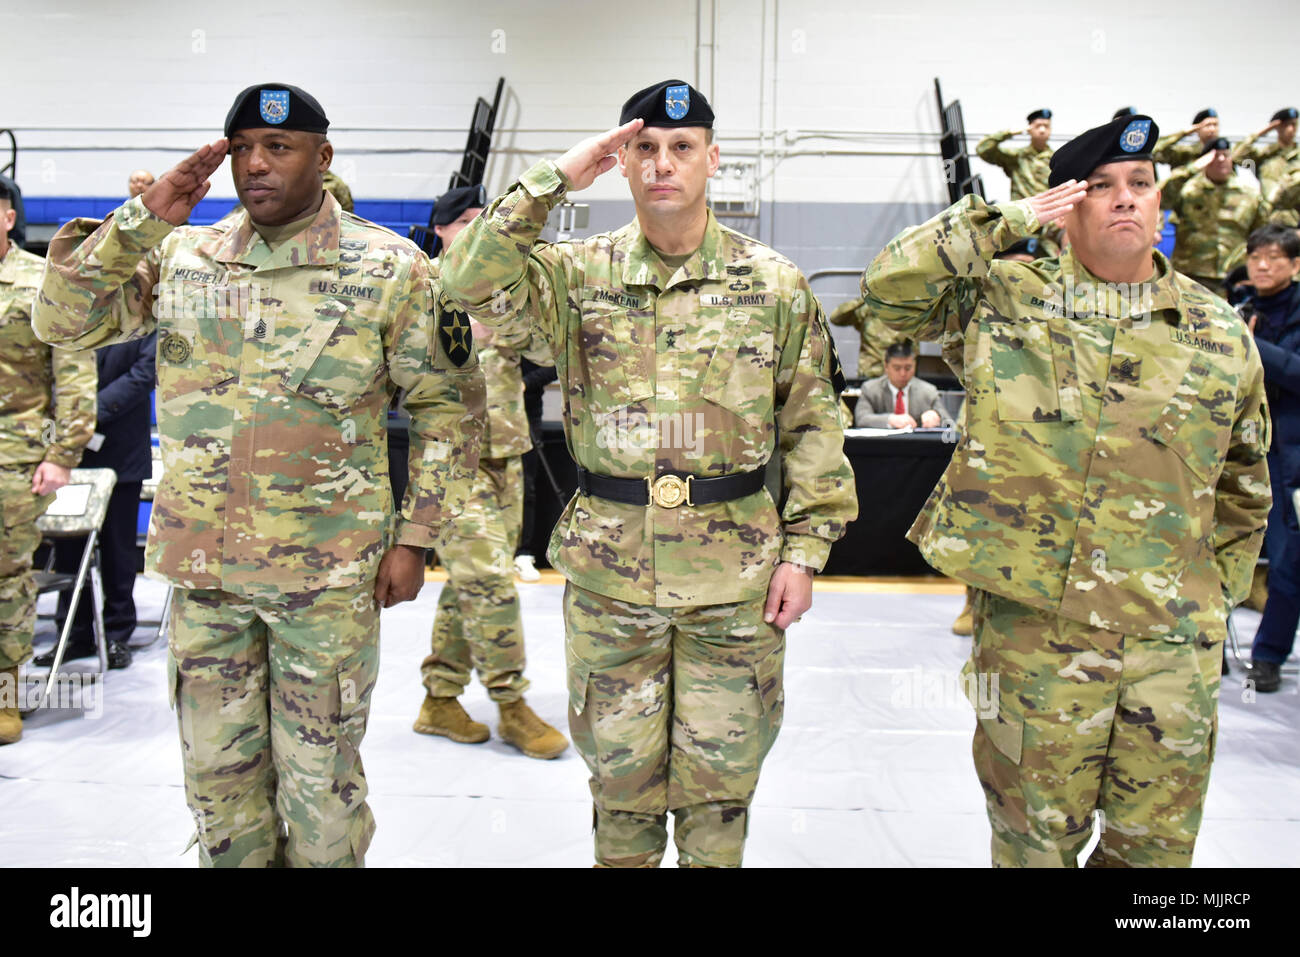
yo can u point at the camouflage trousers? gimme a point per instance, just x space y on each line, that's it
1090 720
17 587
272 695
673 709
478 623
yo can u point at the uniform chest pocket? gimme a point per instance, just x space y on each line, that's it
337 360
742 370
1196 423
198 347
612 372
1024 375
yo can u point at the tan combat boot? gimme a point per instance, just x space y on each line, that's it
964 625
446 717
527 732
11 722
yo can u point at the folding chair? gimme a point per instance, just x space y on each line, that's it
78 509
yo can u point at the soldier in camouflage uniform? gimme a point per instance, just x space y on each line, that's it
1172 150
1108 497
478 623
1272 162
1028 166
687 355
874 337
281 339
338 189
47 415
1216 211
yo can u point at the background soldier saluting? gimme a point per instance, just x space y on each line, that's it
283 333
1108 497
683 350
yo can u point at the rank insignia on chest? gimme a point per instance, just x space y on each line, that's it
455 335
175 348
259 330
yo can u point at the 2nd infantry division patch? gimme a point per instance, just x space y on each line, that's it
455 335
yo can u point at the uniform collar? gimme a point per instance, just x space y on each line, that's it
1166 296
317 245
643 267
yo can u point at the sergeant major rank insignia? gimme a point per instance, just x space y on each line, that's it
455 335
175 348
274 106
677 101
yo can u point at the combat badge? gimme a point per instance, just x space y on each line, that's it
175 348
455 335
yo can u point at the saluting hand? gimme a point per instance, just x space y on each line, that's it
176 192
595 155
1050 205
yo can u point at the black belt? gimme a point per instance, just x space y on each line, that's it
670 489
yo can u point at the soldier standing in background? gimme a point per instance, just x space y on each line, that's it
47 415
478 623
1216 211
282 336
1028 166
338 189
683 351
1172 150
1107 496
1273 162
874 337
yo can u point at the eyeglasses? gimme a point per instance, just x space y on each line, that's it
1260 258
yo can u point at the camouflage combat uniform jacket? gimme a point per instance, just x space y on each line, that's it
275 371
1174 152
1214 220
47 396
695 371
1028 168
1272 162
874 337
1112 469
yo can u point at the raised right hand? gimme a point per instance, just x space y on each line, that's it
1051 204
176 192
595 155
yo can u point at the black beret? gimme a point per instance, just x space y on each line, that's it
671 103
1029 244
1283 115
1038 115
1220 144
1205 114
448 207
276 105
1125 138
1125 111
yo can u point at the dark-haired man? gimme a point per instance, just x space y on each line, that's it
1271 305
282 335
897 399
1274 161
683 350
1107 496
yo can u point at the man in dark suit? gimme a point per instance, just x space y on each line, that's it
897 399
126 378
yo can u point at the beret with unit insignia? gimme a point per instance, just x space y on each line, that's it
448 207
1125 138
1283 115
276 105
1205 114
1038 115
1220 144
1028 246
671 103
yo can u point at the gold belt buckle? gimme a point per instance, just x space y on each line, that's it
669 491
